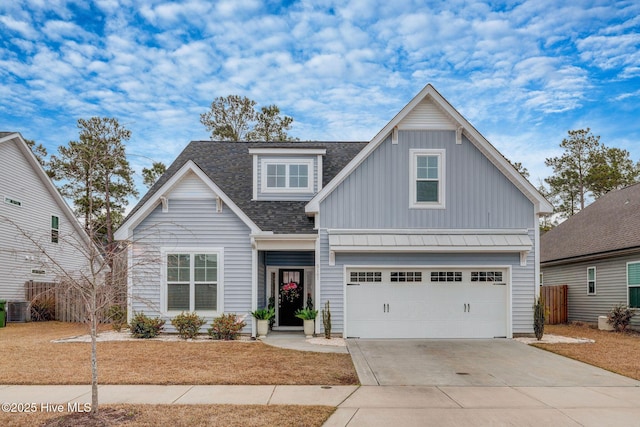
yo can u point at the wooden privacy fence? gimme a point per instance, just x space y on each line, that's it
555 301
66 303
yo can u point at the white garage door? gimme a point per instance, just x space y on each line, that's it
427 303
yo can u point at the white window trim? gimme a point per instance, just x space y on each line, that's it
595 281
413 157
279 161
164 287
627 274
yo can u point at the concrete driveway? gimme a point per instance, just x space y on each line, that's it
498 362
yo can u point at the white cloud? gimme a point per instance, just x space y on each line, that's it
22 27
521 72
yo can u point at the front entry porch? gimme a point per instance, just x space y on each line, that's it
287 283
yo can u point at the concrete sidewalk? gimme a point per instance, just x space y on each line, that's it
380 406
179 394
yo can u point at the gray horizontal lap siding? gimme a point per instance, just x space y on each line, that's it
18 255
611 286
376 194
285 195
192 223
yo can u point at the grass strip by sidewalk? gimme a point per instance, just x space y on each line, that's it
179 415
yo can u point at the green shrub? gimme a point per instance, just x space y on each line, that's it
188 324
43 309
117 315
538 318
620 316
226 327
264 313
143 326
306 314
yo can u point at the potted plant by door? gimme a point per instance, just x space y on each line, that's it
263 315
308 317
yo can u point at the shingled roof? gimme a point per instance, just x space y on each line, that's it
608 225
229 165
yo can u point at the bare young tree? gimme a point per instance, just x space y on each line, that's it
88 282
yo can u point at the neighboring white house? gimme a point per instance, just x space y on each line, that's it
426 231
32 210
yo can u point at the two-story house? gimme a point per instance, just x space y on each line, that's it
426 231
40 238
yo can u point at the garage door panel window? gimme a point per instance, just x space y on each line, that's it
406 276
366 276
486 276
446 276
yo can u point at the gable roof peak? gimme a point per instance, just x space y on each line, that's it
461 125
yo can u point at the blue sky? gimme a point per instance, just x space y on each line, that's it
522 72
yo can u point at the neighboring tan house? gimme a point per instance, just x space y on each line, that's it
596 252
30 205
426 231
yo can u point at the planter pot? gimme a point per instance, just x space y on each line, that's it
263 328
309 326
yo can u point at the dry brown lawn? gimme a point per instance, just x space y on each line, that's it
29 357
180 415
614 351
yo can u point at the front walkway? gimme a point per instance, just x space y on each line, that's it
297 341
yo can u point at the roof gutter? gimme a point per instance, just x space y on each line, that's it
591 257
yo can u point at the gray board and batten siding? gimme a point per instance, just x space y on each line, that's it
30 206
192 223
611 286
376 194
522 282
478 196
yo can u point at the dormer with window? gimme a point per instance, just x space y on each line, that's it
286 173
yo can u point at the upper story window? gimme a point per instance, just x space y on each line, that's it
287 175
427 178
55 230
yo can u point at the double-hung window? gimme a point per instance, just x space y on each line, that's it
287 175
591 281
427 178
633 282
192 280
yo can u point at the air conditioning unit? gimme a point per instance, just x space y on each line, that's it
17 311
